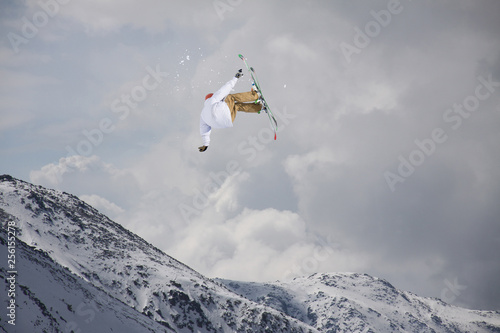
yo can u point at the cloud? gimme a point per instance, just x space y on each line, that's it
52 174
261 245
253 245
105 206
89 176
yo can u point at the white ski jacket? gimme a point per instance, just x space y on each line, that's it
216 113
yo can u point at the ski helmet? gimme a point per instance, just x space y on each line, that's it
208 96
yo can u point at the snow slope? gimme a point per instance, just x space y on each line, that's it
80 271
351 302
51 299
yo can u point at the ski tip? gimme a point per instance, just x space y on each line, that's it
274 136
241 56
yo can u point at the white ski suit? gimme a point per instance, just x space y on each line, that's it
216 113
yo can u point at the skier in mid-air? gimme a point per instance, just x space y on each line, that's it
220 108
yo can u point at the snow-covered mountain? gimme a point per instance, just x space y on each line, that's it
351 302
79 271
124 266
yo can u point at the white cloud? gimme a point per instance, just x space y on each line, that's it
261 245
52 174
249 246
107 207
89 176
298 166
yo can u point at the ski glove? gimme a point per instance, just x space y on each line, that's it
202 148
239 74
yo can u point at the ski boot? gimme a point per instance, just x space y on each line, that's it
254 88
263 105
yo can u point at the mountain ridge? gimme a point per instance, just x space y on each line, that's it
355 297
141 286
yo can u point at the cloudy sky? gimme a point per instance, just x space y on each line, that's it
387 160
